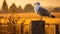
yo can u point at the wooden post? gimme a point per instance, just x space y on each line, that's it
57 28
0 27
38 27
22 28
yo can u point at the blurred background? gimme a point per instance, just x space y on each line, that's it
15 12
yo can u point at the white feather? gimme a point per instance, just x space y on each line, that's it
36 8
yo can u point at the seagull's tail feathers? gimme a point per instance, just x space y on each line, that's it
52 16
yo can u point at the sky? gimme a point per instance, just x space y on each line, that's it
22 3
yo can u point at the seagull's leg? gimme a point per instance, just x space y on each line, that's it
41 18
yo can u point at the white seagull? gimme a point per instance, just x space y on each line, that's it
42 11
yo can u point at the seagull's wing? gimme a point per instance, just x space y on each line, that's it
43 11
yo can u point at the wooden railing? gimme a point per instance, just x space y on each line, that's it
27 28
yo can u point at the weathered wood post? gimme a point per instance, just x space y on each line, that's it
0 27
22 27
38 27
14 28
57 28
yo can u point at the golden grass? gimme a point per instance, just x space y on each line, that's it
28 17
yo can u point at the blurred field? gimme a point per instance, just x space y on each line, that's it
28 17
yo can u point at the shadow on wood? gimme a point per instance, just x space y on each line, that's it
38 27
57 28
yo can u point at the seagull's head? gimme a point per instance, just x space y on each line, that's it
37 3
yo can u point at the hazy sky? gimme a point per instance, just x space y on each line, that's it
24 2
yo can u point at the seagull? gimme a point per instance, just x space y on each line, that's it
42 11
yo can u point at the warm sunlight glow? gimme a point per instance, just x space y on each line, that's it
18 17
24 2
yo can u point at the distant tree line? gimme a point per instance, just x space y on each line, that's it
53 9
28 8
56 9
13 8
